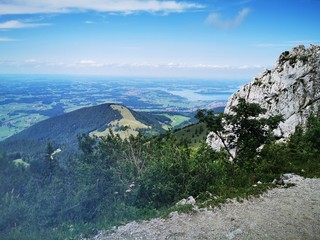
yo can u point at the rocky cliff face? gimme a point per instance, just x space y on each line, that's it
291 88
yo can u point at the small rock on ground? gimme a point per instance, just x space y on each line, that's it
281 213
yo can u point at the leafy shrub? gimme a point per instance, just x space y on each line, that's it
115 181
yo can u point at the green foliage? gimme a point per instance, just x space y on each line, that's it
195 133
114 181
299 155
250 130
244 130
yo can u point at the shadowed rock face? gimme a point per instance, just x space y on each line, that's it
291 88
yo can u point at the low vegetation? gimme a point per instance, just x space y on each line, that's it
193 134
115 181
125 126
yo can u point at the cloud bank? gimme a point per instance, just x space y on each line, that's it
288 44
139 69
88 63
116 6
215 20
14 24
6 39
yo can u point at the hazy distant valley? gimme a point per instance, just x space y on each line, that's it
83 154
29 99
159 119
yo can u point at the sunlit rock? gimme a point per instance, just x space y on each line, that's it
291 88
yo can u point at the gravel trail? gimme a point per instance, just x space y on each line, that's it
280 213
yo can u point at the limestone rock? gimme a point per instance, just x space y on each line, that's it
291 88
287 178
190 200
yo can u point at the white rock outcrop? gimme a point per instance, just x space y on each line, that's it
291 88
190 200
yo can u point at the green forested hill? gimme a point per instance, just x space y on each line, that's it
64 129
192 134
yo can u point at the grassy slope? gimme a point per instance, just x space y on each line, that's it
64 129
176 119
126 126
192 134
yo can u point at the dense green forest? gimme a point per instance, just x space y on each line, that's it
114 181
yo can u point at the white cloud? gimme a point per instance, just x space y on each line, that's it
6 39
9 63
226 67
288 44
170 65
55 64
92 64
210 66
86 63
244 67
117 6
14 24
31 61
215 20
170 69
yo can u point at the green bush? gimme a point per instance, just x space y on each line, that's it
115 181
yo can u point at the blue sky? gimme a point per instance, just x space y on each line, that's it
187 38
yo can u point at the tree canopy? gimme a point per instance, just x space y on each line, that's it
244 129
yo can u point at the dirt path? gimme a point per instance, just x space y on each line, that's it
281 213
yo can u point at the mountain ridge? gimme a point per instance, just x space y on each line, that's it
64 129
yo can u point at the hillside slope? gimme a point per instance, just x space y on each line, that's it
64 129
192 134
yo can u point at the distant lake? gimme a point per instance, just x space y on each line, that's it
193 95
28 99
